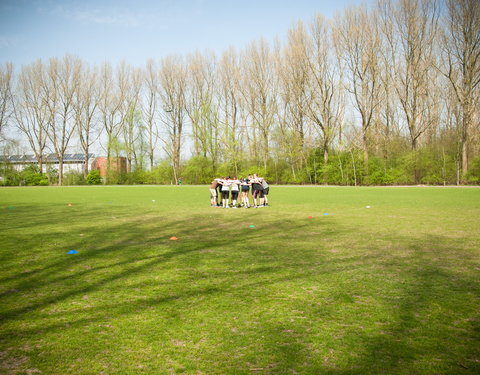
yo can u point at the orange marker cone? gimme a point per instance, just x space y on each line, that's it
173 238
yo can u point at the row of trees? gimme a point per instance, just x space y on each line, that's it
374 94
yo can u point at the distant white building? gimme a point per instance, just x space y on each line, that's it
71 162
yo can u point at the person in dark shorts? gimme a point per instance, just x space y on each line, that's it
226 192
264 195
235 188
219 191
245 184
257 190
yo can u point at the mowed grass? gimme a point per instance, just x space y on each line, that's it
390 289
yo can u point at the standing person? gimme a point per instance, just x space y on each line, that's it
264 195
226 192
256 190
235 189
219 191
245 183
213 192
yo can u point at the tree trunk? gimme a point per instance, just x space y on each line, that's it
354 168
415 168
464 159
465 138
85 166
365 151
60 171
109 154
325 152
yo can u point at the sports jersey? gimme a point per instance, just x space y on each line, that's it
235 184
226 185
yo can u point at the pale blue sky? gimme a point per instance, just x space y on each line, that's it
135 30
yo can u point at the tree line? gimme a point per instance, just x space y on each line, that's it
387 94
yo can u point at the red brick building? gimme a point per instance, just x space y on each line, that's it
116 165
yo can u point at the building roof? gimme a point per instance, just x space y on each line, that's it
47 158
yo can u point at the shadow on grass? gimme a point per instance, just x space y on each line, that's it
433 330
127 266
130 247
432 326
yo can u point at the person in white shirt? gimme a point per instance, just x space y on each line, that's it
226 191
245 183
235 189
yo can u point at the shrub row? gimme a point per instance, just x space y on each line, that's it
343 168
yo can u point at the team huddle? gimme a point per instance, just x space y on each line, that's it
231 187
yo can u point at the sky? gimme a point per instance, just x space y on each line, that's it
136 30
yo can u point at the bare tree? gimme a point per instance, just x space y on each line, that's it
415 25
233 134
151 108
59 87
6 80
112 93
259 89
200 106
326 102
293 76
130 82
173 81
410 28
85 106
461 45
30 109
389 108
357 40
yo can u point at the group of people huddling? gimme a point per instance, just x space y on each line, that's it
231 186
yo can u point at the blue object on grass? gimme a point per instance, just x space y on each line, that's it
73 252
325 214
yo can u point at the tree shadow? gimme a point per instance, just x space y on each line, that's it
428 330
201 268
130 252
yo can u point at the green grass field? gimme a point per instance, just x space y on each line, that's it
391 289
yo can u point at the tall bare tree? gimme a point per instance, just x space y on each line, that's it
112 94
357 39
173 81
85 106
410 27
415 25
61 80
233 131
151 108
461 44
390 128
259 90
293 76
326 98
200 106
30 109
130 81
6 105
